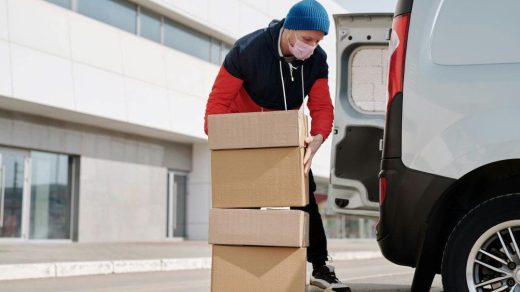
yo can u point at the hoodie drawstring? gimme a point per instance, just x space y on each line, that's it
283 84
291 67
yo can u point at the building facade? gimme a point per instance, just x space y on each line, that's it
101 114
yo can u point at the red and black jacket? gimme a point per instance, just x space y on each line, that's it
250 81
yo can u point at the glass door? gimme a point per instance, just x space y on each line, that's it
35 195
13 193
176 202
51 199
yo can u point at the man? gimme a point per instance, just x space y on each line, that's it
274 69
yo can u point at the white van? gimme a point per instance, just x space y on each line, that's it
445 179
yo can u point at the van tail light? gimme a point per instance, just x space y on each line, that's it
382 189
397 53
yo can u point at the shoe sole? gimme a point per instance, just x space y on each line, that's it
321 284
333 289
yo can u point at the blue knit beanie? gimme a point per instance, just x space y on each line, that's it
308 15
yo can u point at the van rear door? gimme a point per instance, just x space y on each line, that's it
360 106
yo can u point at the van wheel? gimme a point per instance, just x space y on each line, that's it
482 253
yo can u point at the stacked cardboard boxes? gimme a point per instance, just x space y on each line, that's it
257 161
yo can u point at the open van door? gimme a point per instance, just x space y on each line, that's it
360 106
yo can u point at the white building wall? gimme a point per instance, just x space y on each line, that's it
199 193
59 58
128 198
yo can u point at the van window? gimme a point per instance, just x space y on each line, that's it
368 78
471 32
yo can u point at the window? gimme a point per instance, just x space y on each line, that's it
215 52
149 25
62 3
186 40
119 13
12 184
368 78
224 51
50 196
219 50
36 194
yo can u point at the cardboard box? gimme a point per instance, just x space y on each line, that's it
289 228
258 269
265 177
257 130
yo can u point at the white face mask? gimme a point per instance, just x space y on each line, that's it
301 50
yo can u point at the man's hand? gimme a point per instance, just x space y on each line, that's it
312 144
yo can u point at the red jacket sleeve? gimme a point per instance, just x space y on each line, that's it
225 89
321 109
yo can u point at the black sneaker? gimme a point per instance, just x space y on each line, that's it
325 278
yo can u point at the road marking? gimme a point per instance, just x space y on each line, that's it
69 269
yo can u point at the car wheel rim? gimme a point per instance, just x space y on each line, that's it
494 263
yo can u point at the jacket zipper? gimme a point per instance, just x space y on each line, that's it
291 67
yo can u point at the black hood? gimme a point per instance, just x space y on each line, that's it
273 33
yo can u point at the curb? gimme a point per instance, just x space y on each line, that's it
70 269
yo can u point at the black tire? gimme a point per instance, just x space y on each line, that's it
483 218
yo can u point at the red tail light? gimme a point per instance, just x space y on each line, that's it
382 190
397 52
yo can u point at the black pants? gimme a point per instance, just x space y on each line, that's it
317 250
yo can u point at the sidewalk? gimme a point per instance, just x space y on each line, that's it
45 260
